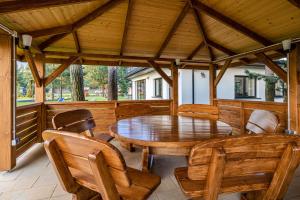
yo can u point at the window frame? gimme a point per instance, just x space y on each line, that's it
137 95
160 92
244 88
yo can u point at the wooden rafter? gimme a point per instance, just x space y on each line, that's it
220 48
295 3
50 31
222 72
273 66
128 16
19 5
76 40
78 24
161 72
33 69
229 22
194 52
173 29
203 33
60 70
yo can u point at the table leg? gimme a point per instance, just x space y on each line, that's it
147 159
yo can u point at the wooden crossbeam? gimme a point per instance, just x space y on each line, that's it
76 40
229 22
60 70
127 20
222 72
161 72
78 24
19 5
33 69
194 52
295 3
203 33
50 31
273 66
220 48
173 29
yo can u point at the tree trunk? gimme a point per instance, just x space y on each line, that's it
270 86
76 74
112 93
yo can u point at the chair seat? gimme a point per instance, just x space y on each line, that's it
103 136
196 188
142 184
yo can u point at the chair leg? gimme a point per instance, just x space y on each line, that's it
86 194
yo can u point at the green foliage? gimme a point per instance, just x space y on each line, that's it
95 76
123 82
258 76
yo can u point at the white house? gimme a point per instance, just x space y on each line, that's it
194 85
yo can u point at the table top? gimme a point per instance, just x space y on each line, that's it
161 130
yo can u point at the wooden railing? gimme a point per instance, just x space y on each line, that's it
236 113
104 111
28 126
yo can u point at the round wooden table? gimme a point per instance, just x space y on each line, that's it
167 134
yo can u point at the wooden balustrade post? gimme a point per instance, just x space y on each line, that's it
293 88
212 86
174 69
7 150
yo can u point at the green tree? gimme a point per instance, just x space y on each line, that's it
96 77
123 82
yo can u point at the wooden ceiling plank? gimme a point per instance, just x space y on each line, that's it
161 72
173 29
125 31
76 40
195 51
203 33
81 22
222 72
19 5
273 66
229 22
295 3
60 70
33 69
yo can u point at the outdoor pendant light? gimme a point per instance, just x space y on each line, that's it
286 44
27 39
177 61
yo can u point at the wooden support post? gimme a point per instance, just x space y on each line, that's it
40 66
174 89
161 72
212 88
7 156
293 88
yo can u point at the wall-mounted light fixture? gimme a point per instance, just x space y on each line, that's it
202 75
26 39
287 44
177 61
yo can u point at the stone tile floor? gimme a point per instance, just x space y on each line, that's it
34 178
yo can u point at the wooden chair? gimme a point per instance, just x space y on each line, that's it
262 121
124 111
198 110
87 167
261 163
78 121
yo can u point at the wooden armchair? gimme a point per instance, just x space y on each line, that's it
262 121
124 111
199 110
261 163
90 169
78 121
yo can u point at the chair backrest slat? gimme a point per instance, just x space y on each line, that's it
198 110
131 110
262 121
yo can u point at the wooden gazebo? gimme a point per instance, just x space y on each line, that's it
200 34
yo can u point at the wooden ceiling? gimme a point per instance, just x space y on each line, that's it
198 31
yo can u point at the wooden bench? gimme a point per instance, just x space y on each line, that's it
94 169
198 110
79 121
261 163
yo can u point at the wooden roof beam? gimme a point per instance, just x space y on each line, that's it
295 3
231 23
76 40
173 29
79 23
222 72
161 72
17 5
128 16
194 52
33 69
273 66
60 70
202 32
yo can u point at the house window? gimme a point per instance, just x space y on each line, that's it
245 87
158 87
141 89
279 89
